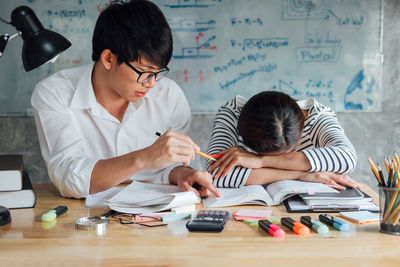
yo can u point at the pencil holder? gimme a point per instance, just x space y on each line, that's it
389 203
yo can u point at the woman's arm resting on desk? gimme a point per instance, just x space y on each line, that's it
267 175
265 169
234 156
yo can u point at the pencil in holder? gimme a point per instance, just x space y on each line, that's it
389 203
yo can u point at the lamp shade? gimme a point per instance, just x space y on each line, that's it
40 45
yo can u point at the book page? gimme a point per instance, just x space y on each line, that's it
251 194
99 199
152 197
281 190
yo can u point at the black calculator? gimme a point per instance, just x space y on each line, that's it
208 221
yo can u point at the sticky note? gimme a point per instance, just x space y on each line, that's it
253 213
360 217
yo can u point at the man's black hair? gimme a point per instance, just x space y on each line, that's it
132 30
271 122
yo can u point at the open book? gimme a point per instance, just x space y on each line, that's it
144 198
269 195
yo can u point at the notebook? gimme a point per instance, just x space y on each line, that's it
145 198
297 205
268 195
348 196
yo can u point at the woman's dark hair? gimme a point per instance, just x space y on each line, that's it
271 122
131 30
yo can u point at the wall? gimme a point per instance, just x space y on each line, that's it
374 134
326 49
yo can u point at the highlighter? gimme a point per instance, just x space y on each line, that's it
52 214
296 227
316 225
334 222
271 228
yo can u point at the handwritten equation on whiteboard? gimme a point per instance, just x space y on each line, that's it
323 49
309 49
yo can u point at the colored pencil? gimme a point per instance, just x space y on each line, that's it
381 174
391 211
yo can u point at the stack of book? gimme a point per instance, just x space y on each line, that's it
16 189
348 199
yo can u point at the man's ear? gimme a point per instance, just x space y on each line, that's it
108 59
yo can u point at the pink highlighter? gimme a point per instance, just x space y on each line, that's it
271 228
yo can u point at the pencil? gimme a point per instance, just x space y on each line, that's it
197 152
381 174
387 165
204 155
397 158
374 170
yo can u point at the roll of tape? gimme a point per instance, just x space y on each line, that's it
95 223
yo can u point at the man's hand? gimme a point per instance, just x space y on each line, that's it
197 181
338 181
235 157
168 149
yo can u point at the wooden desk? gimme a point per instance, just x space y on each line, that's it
26 241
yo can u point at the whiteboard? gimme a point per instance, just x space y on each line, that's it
330 50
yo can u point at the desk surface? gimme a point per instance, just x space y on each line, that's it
26 240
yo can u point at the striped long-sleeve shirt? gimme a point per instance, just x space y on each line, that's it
323 140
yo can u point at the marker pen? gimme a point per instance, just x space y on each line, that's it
271 228
52 214
334 222
316 225
296 227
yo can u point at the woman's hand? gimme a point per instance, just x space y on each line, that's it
337 181
234 157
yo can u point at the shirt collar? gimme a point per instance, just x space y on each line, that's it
84 94
84 97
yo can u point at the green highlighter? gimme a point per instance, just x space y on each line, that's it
316 225
52 214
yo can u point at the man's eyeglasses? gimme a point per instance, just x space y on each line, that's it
148 221
145 76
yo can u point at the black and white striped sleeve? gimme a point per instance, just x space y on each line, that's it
334 152
224 136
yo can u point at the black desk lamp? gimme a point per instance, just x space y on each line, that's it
40 45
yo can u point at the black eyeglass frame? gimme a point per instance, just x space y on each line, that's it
152 74
122 220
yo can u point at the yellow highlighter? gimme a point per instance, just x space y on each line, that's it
54 213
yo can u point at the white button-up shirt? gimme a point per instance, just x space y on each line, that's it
75 131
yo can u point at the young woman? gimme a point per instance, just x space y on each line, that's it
272 137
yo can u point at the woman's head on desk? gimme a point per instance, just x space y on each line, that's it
271 123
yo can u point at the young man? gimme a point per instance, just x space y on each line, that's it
97 124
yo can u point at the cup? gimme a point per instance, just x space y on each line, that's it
389 204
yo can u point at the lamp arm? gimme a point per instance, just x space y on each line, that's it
4 40
6 22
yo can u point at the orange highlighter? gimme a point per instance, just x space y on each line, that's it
296 227
216 155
